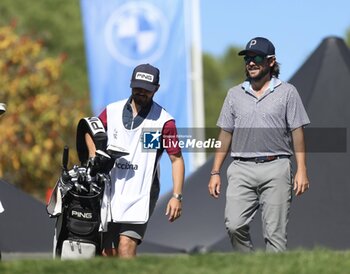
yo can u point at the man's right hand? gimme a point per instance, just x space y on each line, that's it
225 139
214 185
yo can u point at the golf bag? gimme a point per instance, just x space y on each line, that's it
76 200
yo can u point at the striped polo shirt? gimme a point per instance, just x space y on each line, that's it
262 126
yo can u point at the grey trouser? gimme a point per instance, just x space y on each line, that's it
251 185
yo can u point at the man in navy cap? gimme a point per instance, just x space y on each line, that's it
138 124
259 120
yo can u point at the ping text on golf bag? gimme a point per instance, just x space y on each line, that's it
76 199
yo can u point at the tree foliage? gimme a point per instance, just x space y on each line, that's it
347 38
41 113
219 75
58 23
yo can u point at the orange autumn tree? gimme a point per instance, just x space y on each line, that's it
41 115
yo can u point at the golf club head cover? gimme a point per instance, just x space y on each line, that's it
94 127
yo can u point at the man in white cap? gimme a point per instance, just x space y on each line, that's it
138 124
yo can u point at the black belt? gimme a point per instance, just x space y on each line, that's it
261 159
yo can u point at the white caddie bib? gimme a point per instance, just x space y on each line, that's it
132 175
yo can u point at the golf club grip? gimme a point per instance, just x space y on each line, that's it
65 157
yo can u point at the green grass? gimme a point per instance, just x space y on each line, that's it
294 262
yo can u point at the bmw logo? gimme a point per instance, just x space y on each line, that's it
136 32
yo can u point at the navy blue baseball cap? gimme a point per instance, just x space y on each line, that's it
259 45
145 76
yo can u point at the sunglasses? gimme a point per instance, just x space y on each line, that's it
257 59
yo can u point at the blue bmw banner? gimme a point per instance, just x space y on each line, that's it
121 34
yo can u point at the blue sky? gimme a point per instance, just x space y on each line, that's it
296 27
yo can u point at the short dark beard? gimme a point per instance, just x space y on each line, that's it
261 75
142 102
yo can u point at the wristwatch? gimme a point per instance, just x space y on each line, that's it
178 196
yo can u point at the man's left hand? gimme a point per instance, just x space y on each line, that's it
173 209
301 183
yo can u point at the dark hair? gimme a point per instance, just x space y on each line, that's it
275 70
